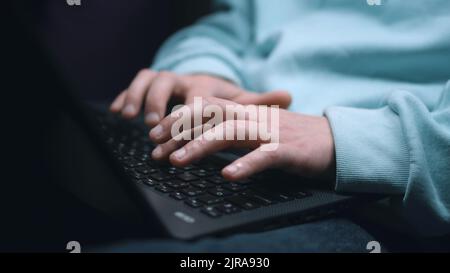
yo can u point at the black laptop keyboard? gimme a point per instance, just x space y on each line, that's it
199 185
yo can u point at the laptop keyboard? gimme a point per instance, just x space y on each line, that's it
199 186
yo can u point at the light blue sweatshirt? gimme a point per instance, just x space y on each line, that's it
378 73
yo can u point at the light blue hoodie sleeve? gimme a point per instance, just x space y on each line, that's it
400 149
214 45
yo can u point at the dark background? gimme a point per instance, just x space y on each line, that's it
97 47
101 44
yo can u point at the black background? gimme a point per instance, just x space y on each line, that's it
97 47
101 44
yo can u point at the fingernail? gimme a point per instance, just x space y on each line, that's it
232 168
129 109
156 131
152 118
180 153
157 152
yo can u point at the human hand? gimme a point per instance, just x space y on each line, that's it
305 143
154 89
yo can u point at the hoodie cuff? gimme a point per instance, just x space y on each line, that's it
371 152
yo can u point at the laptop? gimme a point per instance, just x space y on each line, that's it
106 162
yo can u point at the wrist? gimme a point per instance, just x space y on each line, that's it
330 170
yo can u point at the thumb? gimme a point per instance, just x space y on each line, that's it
278 97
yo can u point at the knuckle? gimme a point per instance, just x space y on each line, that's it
164 80
199 143
194 147
166 75
133 97
254 161
125 92
145 72
171 145
205 85
273 155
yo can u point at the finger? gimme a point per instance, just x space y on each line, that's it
234 133
252 163
186 115
163 151
117 104
194 113
136 92
158 96
281 98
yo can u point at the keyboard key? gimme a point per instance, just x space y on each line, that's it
211 212
148 181
177 195
163 188
244 182
191 191
275 196
228 208
201 173
259 198
220 192
131 163
173 170
142 158
209 199
131 152
243 202
177 184
202 184
234 187
159 176
146 170
302 194
283 197
110 140
186 176
192 202
210 168
137 175
127 158
188 168
218 180
134 144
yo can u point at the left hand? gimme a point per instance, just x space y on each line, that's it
306 145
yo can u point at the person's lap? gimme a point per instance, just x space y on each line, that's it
329 235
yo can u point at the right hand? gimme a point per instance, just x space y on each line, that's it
154 89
